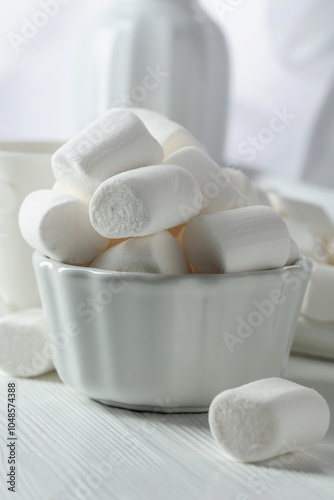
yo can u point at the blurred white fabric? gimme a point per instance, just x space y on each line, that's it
282 56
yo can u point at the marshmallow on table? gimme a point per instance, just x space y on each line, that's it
145 201
314 338
267 418
244 185
246 239
115 142
219 193
169 134
294 253
24 344
319 297
308 242
159 253
305 212
328 244
58 225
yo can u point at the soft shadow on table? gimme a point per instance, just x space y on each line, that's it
47 377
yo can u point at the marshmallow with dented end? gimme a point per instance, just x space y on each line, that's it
319 297
219 193
169 134
244 186
246 239
58 225
115 142
145 201
267 418
294 253
159 253
25 349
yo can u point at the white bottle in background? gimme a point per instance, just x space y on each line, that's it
164 55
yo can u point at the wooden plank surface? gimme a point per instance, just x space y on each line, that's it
72 448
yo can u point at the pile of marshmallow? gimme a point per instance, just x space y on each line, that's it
136 192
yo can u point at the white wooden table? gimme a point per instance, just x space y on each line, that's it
72 448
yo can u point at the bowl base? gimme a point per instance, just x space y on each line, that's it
155 409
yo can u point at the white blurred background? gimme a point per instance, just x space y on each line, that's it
282 57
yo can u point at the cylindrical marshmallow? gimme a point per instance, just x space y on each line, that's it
25 349
145 201
219 193
308 242
58 225
159 253
5 307
169 134
309 213
246 239
314 338
294 253
115 142
244 186
267 418
319 297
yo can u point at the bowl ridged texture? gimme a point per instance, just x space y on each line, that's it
168 343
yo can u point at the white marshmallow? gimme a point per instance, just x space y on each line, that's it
58 225
244 186
305 212
294 253
115 142
307 241
246 239
219 193
5 307
267 418
169 134
314 338
159 253
263 197
319 297
145 201
25 344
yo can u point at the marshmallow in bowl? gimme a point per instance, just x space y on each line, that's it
5 308
58 225
159 253
171 135
24 344
219 193
319 297
294 253
246 239
245 186
267 418
145 201
115 142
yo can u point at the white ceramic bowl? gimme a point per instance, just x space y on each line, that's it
168 343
